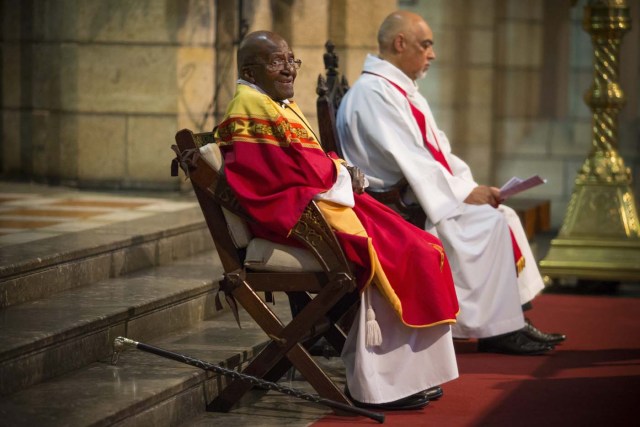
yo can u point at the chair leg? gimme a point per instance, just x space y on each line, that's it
283 366
323 385
341 316
285 342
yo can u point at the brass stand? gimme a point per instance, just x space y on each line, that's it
600 236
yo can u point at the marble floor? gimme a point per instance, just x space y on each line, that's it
30 212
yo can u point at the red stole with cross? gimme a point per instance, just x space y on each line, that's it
439 157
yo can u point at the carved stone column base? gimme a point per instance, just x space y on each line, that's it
600 236
603 259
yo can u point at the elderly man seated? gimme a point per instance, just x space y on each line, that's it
399 349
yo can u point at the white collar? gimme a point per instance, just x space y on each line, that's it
382 67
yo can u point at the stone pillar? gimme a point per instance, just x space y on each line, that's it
305 23
461 84
229 31
353 29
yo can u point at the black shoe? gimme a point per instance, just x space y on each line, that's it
434 393
415 401
537 335
324 349
513 343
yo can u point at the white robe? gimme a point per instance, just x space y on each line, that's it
379 134
409 360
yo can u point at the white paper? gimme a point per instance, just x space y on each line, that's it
516 185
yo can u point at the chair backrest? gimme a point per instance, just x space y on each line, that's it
213 194
331 89
238 228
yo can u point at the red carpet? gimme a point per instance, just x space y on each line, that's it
592 379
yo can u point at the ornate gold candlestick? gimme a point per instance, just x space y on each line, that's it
600 235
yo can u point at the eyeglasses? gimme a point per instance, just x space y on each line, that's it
279 64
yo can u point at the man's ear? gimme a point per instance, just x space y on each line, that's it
247 74
399 42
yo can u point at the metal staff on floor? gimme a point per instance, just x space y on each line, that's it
121 343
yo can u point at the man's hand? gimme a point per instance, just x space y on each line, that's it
357 179
484 195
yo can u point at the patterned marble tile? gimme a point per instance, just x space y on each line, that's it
32 212
124 215
71 227
95 202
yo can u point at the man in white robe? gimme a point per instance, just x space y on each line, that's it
380 132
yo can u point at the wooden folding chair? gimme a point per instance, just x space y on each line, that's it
330 90
317 279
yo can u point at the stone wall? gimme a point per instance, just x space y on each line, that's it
507 87
93 91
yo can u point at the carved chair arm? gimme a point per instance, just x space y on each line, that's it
313 230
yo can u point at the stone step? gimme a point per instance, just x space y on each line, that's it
48 337
36 270
143 389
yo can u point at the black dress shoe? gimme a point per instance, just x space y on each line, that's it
415 401
517 343
434 393
537 335
324 349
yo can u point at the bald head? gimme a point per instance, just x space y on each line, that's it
264 59
254 46
398 22
406 41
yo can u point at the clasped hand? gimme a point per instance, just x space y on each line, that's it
357 179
